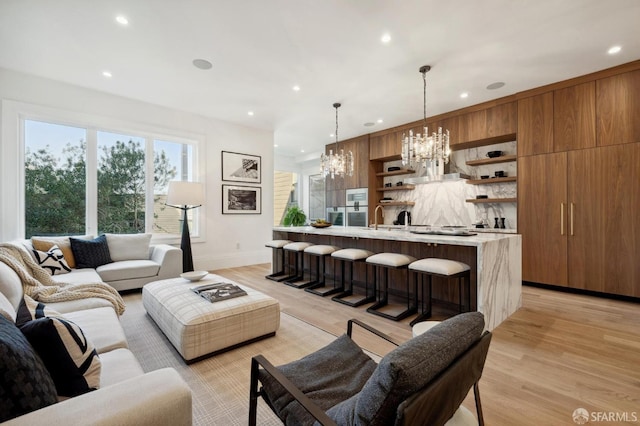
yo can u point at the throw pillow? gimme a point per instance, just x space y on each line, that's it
71 359
30 309
45 243
128 246
25 383
52 261
91 253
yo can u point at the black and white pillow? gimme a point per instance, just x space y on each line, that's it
52 261
30 309
70 358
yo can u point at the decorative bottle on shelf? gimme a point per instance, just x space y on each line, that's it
502 224
497 225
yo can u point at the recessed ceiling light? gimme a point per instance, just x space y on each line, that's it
122 20
107 74
275 145
379 120
202 64
464 95
386 38
331 135
614 49
302 150
496 85
296 88
369 124
250 113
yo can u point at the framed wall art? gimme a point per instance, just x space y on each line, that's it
238 199
238 167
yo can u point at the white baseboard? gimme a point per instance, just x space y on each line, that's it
231 260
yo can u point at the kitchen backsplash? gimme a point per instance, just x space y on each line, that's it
443 203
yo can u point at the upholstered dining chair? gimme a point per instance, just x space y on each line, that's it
421 382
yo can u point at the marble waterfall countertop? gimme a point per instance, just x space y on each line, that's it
385 232
498 262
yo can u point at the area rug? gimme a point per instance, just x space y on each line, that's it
219 384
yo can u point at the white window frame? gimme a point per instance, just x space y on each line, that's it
12 150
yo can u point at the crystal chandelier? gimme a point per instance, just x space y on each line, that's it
339 164
430 151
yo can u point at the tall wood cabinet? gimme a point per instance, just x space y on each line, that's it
577 213
542 203
335 189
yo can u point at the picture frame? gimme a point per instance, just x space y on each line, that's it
241 199
238 167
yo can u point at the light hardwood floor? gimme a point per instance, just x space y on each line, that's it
557 353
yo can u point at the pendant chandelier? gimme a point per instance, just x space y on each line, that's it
338 164
421 149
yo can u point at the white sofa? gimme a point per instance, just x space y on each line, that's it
127 395
135 263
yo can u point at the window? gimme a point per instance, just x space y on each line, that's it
316 197
285 194
82 180
55 179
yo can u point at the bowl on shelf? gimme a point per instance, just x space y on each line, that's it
481 197
494 154
194 275
484 177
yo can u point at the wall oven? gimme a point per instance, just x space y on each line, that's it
357 215
357 196
357 207
336 216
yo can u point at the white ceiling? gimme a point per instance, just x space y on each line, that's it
331 48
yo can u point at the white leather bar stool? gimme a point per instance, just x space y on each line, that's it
434 267
388 261
347 297
298 250
317 286
277 246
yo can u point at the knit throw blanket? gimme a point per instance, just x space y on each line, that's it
38 284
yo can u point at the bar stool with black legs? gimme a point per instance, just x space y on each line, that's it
297 279
445 268
278 247
386 261
317 286
354 257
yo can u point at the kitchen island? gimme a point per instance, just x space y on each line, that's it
495 260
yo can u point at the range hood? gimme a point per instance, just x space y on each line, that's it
449 177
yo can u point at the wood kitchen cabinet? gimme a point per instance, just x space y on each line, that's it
618 112
574 117
385 147
577 213
496 121
604 229
535 125
542 198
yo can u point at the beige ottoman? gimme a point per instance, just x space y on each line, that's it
199 328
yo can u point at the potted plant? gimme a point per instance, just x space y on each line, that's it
294 217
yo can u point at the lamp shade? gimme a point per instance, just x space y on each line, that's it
182 193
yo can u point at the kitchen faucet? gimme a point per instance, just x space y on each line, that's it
375 216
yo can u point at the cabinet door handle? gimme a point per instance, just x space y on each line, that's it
561 218
571 214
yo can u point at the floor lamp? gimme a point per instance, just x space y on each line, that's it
185 196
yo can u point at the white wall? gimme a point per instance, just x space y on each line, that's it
229 240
